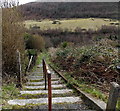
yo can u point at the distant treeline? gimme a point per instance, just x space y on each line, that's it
54 37
57 10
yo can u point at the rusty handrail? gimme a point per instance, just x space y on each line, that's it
47 74
44 72
49 92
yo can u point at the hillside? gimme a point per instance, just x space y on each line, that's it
55 10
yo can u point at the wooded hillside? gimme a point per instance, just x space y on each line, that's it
57 10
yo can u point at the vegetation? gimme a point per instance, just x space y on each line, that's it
54 37
91 89
13 39
35 42
9 92
91 68
58 10
94 64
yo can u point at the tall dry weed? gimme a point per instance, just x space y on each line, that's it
12 39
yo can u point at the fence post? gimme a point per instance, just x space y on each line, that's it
30 63
19 74
113 96
45 73
49 92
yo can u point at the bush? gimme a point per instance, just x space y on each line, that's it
108 29
35 42
64 44
13 31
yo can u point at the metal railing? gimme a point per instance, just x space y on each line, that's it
47 76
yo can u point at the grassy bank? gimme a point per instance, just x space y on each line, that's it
91 68
91 89
9 91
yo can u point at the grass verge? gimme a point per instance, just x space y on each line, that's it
9 91
91 89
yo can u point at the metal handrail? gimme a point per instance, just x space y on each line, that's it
44 72
47 76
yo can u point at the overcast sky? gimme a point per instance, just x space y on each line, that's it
27 1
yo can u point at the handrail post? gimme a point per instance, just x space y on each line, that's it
43 64
19 74
49 92
45 73
113 96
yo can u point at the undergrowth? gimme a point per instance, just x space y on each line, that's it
9 91
90 67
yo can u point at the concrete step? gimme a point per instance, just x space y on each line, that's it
41 74
35 77
62 91
41 78
42 83
39 66
42 87
79 106
37 73
41 101
36 96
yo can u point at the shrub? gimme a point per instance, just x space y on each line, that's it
96 63
64 44
13 31
108 29
35 42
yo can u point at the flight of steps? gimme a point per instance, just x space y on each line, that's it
34 93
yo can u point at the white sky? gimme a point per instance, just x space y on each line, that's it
26 1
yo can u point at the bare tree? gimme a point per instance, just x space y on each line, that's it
8 3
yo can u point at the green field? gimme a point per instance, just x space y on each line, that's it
71 24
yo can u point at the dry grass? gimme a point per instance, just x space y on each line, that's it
71 24
13 39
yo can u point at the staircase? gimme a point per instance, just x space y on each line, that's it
34 94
